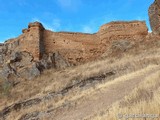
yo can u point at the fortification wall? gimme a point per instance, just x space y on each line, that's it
64 40
75 47
122 30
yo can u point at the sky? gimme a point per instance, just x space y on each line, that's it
68 15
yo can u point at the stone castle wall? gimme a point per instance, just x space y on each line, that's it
122 30
66 40
75 47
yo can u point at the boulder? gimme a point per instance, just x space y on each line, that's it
47 61
21 59
26 59
59 62
15 57
54 60
29 72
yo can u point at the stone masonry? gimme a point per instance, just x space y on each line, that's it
74 47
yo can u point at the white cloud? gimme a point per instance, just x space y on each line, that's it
53 26
93 25
48 27
72 5
56 24
87 29
35 20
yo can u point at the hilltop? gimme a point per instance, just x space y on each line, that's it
77 76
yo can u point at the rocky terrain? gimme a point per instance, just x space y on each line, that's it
47 75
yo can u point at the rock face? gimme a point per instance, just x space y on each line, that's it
37 49
154 17
53 60
22 65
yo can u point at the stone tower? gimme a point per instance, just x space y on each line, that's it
34 40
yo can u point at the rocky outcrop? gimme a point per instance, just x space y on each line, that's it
22 65
54 60
154 17
30 71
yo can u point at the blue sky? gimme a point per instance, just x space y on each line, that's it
67 15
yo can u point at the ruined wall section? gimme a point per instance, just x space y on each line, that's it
75 47
122 30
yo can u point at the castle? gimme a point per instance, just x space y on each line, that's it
75 47
37 48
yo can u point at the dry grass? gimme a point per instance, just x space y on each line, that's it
75 96
145 99
126 68
52 81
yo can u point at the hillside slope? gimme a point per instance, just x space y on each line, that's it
112 74
85 91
